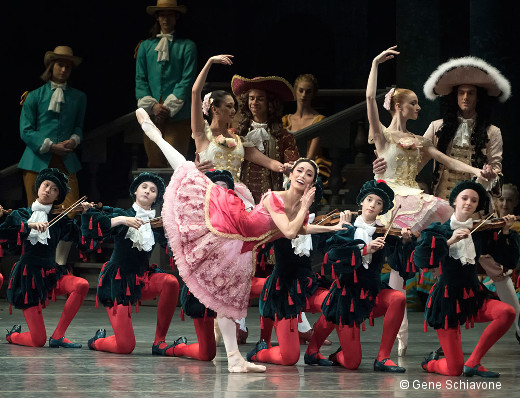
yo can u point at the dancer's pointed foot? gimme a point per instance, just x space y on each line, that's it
147 125
237 364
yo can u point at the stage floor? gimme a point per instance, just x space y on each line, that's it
47 372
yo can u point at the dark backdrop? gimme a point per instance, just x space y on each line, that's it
335 40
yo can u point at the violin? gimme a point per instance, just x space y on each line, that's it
57 209
332 218
490 223
156 222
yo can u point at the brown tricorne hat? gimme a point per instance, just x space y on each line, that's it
273 84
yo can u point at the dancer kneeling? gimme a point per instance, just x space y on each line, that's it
36 276
459 297
356 257
213 237
127 278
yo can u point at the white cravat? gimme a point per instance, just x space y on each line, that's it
256 136
302 244
364 232
58 97
142 238
39 214
463 134
464 249
163 47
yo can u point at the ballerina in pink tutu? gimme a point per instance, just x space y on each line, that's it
214 239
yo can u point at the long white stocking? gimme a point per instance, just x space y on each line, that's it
170 153
396 283
506 293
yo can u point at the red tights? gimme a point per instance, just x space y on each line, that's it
163 285
77 288
390 304
500 314
288 350
206 348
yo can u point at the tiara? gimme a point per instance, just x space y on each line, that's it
309 161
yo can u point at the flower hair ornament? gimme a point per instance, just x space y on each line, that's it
206 103
388 99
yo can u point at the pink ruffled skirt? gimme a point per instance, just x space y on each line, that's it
213 267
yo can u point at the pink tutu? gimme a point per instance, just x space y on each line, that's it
418 210
205 225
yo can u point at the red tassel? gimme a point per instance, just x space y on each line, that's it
440 268
26 301
470 294
458 307
114 311
289 300
18 240
25 270
100 283
446 322
353 261
97 301
433 242
446 291
278 284
326 258
352 306
333 274
10 283
465 295
99 233
298 288
344 292
265 295
91 244
118 275
99 249
467 324
421 279
22 227
90 224
355 276
33 285
337 284
371 320
53 297
364 328
429 302
128 293
425 326
431 258
322 273
83 240
407 265
495 236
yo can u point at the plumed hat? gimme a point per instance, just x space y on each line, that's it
57 177
379 188
151 177
221 175
475 186
467 70
275 85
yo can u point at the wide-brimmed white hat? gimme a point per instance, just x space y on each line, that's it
467 70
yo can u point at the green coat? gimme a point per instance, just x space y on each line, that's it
160 79
38 123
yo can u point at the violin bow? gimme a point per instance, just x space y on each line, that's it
482 223
391 222
66 211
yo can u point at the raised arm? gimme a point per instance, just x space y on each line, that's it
375 133
197 118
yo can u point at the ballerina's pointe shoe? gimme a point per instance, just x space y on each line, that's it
401 348
237 364
218 334
147 125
